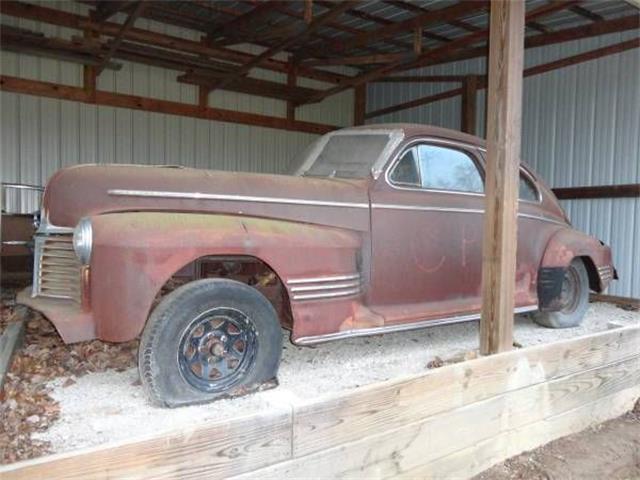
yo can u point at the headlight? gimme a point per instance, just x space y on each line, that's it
82 240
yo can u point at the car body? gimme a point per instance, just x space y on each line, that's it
354 243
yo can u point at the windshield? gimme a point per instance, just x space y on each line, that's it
349 155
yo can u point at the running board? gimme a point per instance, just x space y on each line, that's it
363 332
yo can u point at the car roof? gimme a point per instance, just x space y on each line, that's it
416 130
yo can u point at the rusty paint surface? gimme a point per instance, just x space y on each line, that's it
415 263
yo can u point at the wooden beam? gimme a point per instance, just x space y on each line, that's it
586 13
501 183
622 24
422 79
359 104
631 190
315 24
79 22
251 86
115 43
65 92
411 7
536 70
469 101
107 9
239 25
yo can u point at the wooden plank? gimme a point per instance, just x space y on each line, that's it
338 419
626 301
221 449
631 190
473 460
469 101
292 79
537 70
415 449
64 92
504 115
10 340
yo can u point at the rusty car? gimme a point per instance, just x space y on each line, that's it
378 229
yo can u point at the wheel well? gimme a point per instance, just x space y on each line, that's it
246 269
592 272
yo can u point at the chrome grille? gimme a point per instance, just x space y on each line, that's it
57 270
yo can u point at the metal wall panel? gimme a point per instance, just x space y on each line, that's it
580 126
41 135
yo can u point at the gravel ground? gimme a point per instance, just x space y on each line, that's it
110 406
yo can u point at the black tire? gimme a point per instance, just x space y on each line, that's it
575 299
209 313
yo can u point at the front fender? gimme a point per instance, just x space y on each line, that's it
134 254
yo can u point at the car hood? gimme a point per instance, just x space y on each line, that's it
87 190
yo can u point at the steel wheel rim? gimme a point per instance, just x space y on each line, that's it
570 292
217 348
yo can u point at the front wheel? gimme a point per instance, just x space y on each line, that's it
206 340
574 299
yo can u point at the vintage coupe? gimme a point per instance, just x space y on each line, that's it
378 230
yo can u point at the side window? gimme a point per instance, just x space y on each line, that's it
443 168
527 190
406 170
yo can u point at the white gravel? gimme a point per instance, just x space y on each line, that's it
111 406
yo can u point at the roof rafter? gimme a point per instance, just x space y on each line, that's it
316 23
115 43
436 53
80 22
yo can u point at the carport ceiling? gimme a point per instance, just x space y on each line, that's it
373 38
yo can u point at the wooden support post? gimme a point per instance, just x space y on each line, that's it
359 104
506 49
203 96
292 80
89 71
417 40
308 11
469 101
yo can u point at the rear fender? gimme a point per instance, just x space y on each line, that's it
563 247
134 254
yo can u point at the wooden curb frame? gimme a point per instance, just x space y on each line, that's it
453 421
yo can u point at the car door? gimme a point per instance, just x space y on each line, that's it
426 217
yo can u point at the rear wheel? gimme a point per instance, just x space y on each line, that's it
206 340
574 299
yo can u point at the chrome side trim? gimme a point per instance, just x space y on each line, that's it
231 198
314 296
428 209
399 328
458 210
541 218
309 288
330 278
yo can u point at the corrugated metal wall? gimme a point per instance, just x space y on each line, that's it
41 135
581 126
